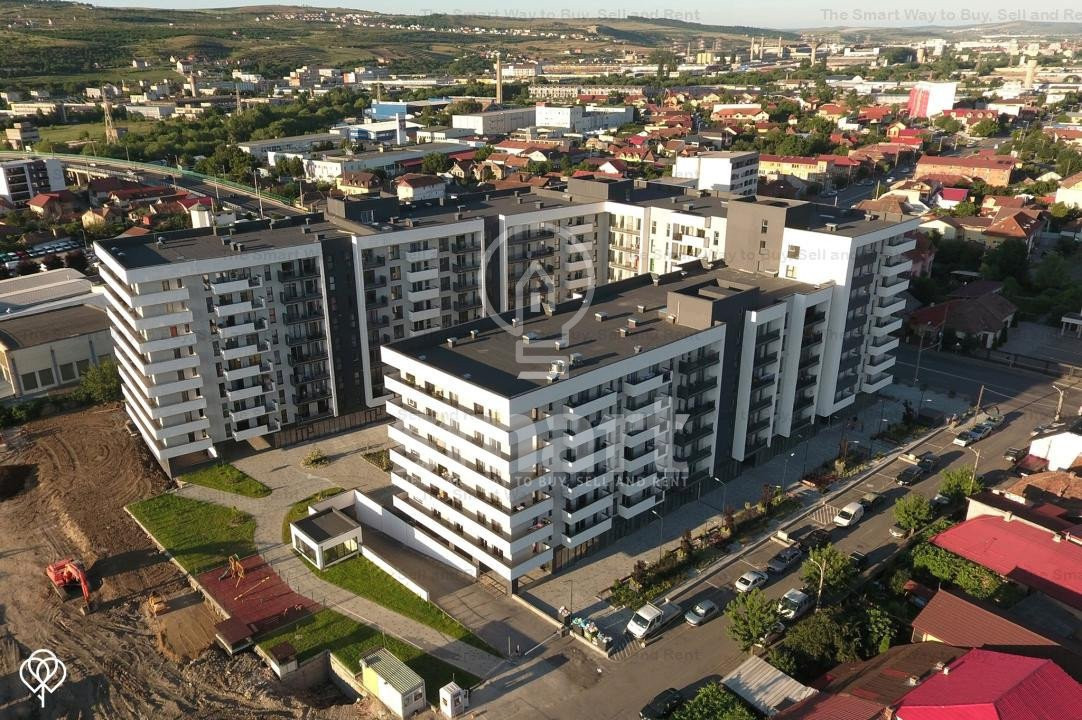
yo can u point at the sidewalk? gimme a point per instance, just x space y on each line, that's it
290 485
582 586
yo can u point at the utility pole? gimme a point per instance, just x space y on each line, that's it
980 396
255 177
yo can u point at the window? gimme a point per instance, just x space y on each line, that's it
67 372
46 376
794 252
762 247
29 381
764 228
81 366
790 271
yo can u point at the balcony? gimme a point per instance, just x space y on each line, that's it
814 317
644 385
588 534
686 392
241 435
572 516
601 428
242 328
423 315
882 345
465 286
236 308
896 265
150 322
686 436
637 458
877 365
299 273
761 403
807 362
762 381
805 381
582 463
811 340
296 296
419 256
886 326
890 288
886 309
246 393
301 338
767 337
900 245
236 351
628 508
310 314
851 343
246 372
876 383
225 287
863 280
466 265
706 360
582 408
803 402
765 359
702 407
249 413
426 275
464 305
758 425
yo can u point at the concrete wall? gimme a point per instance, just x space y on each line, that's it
394 572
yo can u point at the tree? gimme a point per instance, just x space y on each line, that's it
76 260
821 641
483 152
879 629
435 163
27 267
714 702
751 615
1008 259
912 512
101 383
463 107
985 128
52 261
966 208
829 566
1051 272
960 483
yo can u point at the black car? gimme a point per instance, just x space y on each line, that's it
662 706
815 539
858 560
911 475
1014 454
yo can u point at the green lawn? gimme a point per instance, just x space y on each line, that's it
200 535
226 477
350 641
85 131
361 577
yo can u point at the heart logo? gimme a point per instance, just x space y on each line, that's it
42 673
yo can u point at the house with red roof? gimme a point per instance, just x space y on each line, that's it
986 685
53 205
982 318
971 116
1028 555
412 187
952 196
1070 191
993 169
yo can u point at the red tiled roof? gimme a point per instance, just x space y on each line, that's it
985 162
985 685
832 707
954 194
1019 552
954 620
789 159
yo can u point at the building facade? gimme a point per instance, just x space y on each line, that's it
20 180
721 171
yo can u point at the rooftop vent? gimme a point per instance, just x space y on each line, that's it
624 332
637 349
559 344
529 337
640 308
539 204
305 230
473 334
832 227
687 207
514 322
575 359
601 316
451 342
632 323
912 681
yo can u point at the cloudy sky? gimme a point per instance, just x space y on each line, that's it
761 13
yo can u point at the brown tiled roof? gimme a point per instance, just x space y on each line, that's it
958 621
884 679
832 707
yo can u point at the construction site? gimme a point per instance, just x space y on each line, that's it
80 578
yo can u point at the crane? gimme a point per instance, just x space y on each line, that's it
68 576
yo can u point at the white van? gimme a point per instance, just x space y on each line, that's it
849 515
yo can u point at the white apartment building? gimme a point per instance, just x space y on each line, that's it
577 119
296 143
721 170
225 338
428 266
21 180
522 457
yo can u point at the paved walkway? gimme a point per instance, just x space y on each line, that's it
582 586
291 484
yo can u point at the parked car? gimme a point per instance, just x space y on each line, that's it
663 705
910 475
871 501
940 501
896 531
772 635
858 559
993 421
976 433
1013 455
784 559
817 538
849 515
793 604
750 580
828 193
1046 427
703 611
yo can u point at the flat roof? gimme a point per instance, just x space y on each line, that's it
25 290
52 325
393 671
185 246
495 359
313 138
326 525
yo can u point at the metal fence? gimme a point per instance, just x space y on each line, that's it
1045 366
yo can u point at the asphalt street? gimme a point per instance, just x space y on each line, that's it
567 680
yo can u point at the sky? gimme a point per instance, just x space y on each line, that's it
782 14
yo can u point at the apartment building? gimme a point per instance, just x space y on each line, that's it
227 337
21 180
521 456
430 265
722 171
496 122
296 144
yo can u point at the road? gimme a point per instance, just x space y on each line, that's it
570 681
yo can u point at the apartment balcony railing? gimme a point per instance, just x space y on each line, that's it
305 271
762 381
767 337
706 360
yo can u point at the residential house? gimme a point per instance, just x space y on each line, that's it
950 197
415 187
359 183
54 205
994 686
971 116
1060 447
1025 225
921 256
807 169
984 319
993 169
99 217
1070 191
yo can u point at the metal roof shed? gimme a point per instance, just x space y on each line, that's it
764 687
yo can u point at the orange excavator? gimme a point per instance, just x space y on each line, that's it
69 578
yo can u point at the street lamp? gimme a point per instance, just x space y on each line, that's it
821 566
785 470
977 459
660 534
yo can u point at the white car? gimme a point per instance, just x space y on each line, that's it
750 580
849 515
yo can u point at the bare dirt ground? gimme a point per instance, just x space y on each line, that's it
88 469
